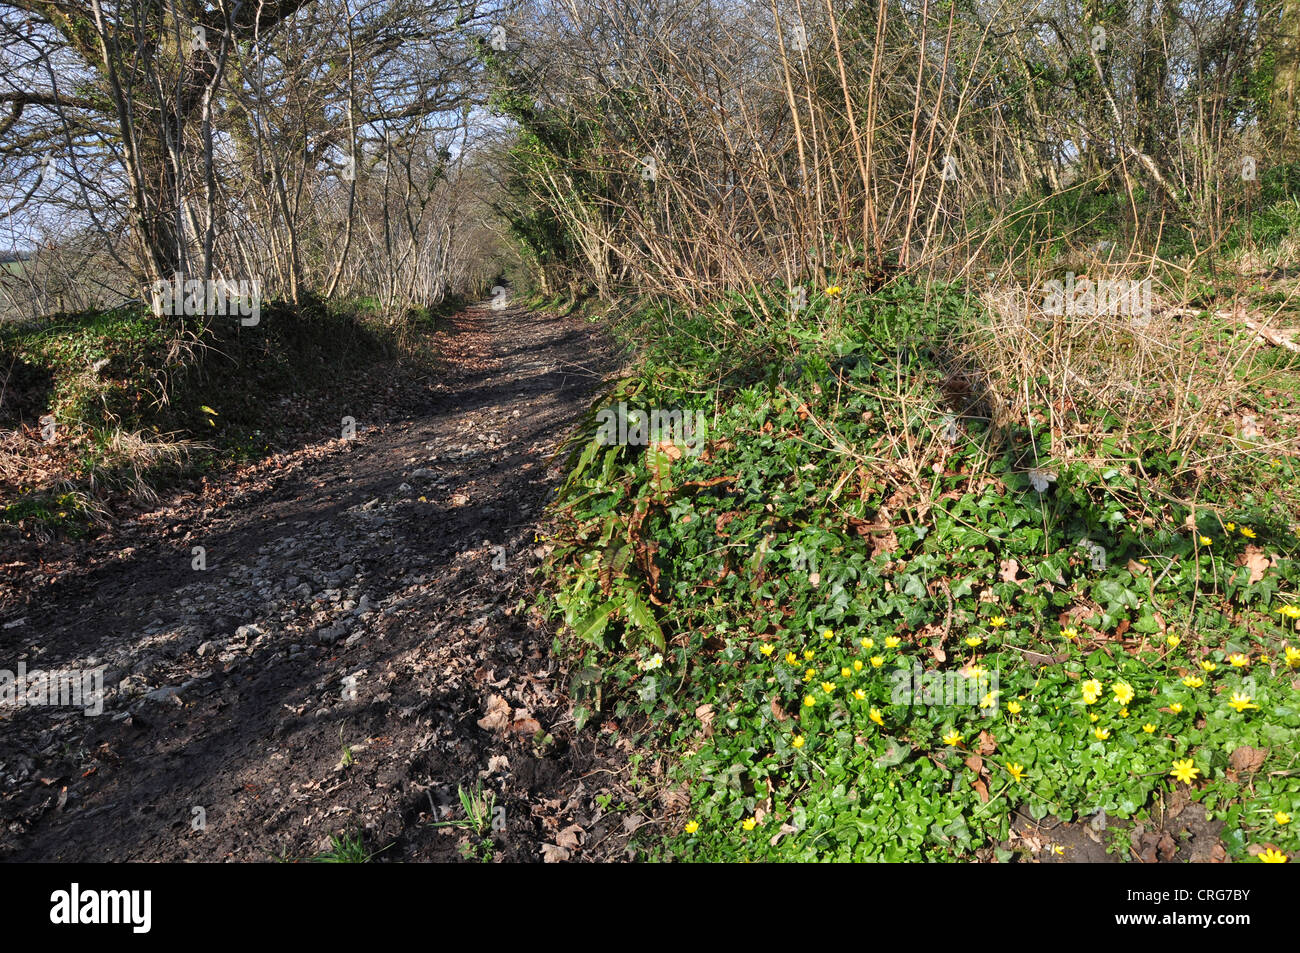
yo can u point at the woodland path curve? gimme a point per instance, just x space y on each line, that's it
350 601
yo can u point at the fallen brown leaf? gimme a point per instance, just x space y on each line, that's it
498 714
884 543
705 714
785 829
554 854
1256 560
1137 568
1246 758
1167 847
525 723
670 450
570 838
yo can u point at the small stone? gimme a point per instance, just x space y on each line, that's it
330 634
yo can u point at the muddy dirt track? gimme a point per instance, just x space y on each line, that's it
359 647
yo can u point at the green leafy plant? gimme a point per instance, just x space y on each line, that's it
859 513
479 807
344 849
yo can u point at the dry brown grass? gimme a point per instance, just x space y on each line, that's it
1104 384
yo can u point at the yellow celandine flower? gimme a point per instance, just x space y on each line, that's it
877 717
1014 707
1091 690
1247 532
1173 641
1205 540
1101 734
791 658
892 642
809 701
1094 717
1176 707
997 622
766 648
692 826
859 694
1271 856
1149 728
868 643
1230 526
990 700
749 823
1241 701
808 654
809 675
877 661
845 672
953 737
828 687
1070 632
1264 660
974 671
1017 771
1282 817
1290 611
797 741
973 641
1123 712
828 634
1237 660
1124 692
1193 681
1208 666
834 290
857 665
1292 657
1185 771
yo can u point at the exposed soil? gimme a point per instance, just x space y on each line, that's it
354 653
1177 831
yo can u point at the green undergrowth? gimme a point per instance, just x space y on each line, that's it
865 621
